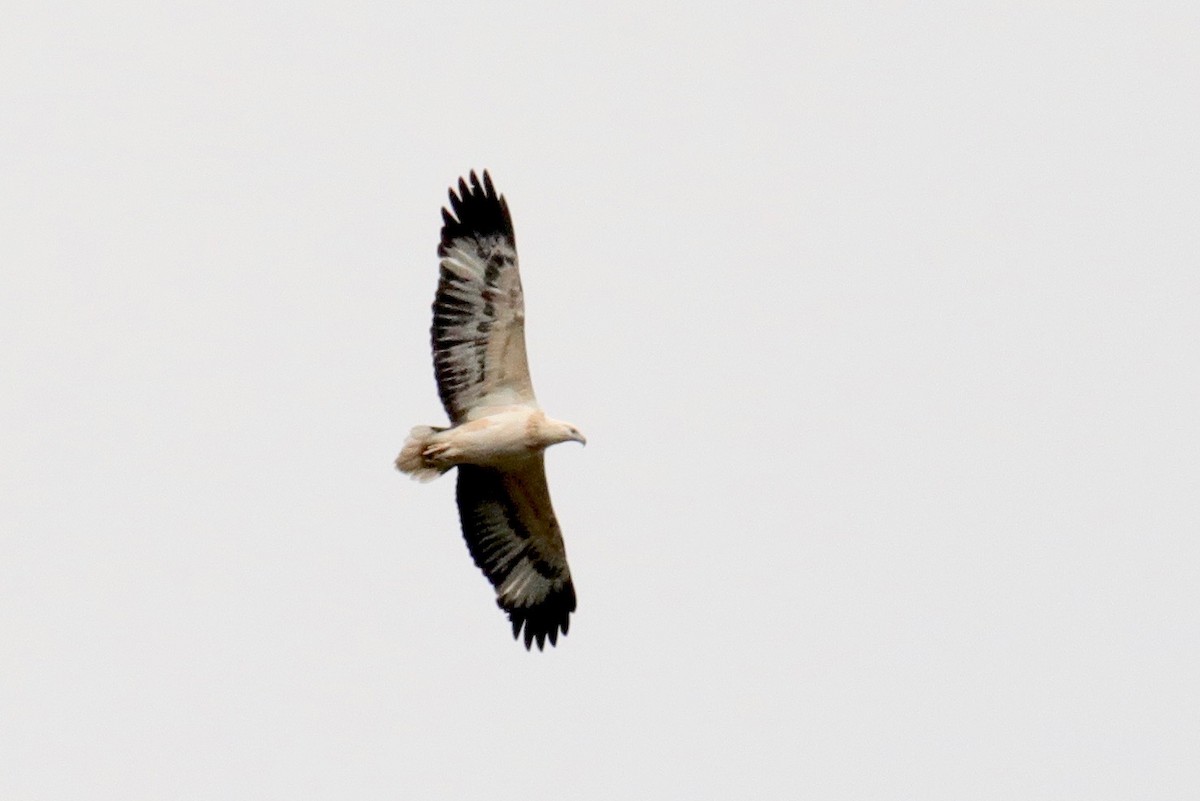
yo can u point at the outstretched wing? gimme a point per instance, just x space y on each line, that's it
509 526
479 312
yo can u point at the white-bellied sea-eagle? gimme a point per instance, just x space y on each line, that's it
498 433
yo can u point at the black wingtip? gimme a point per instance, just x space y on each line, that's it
476 210
546 620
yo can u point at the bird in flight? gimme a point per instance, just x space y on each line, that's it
498 433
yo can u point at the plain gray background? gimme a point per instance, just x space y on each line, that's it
881 320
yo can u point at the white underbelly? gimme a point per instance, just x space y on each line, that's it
495 440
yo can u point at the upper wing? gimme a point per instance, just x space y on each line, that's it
512 534
479 312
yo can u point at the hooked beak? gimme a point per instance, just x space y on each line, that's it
581 438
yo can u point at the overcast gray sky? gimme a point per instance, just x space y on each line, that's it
881 319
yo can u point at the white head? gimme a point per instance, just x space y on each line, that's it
555 431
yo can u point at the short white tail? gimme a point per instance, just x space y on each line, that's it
411 460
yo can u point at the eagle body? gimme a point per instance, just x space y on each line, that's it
498 433
505 437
